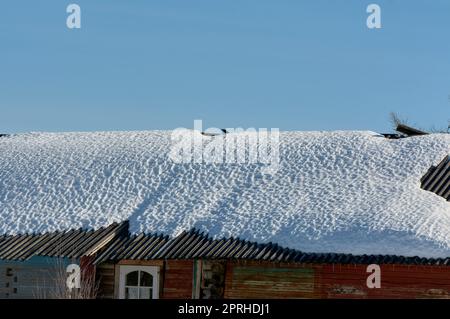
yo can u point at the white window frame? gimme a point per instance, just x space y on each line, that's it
152 270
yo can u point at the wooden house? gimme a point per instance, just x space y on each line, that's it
194 265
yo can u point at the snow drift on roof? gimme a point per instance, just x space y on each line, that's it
343 192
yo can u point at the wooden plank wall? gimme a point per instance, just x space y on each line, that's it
262 280
105 274
397 281
178 279
284 280
254 279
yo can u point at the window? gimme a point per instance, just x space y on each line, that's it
138 285
138 282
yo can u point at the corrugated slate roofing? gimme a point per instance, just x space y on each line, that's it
196 245
437 179
114 243
72 244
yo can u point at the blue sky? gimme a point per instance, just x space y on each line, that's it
294 65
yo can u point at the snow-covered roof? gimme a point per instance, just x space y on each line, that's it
342 192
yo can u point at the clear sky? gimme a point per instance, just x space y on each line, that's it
293 65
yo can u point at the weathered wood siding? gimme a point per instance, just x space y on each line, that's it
272 280
105 275
178 279
266 280
397 281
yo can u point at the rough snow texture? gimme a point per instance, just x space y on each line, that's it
349 192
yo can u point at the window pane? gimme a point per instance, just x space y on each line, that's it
131 293
146 279
145 293
132 279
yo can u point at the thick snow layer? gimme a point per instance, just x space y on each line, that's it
350 192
